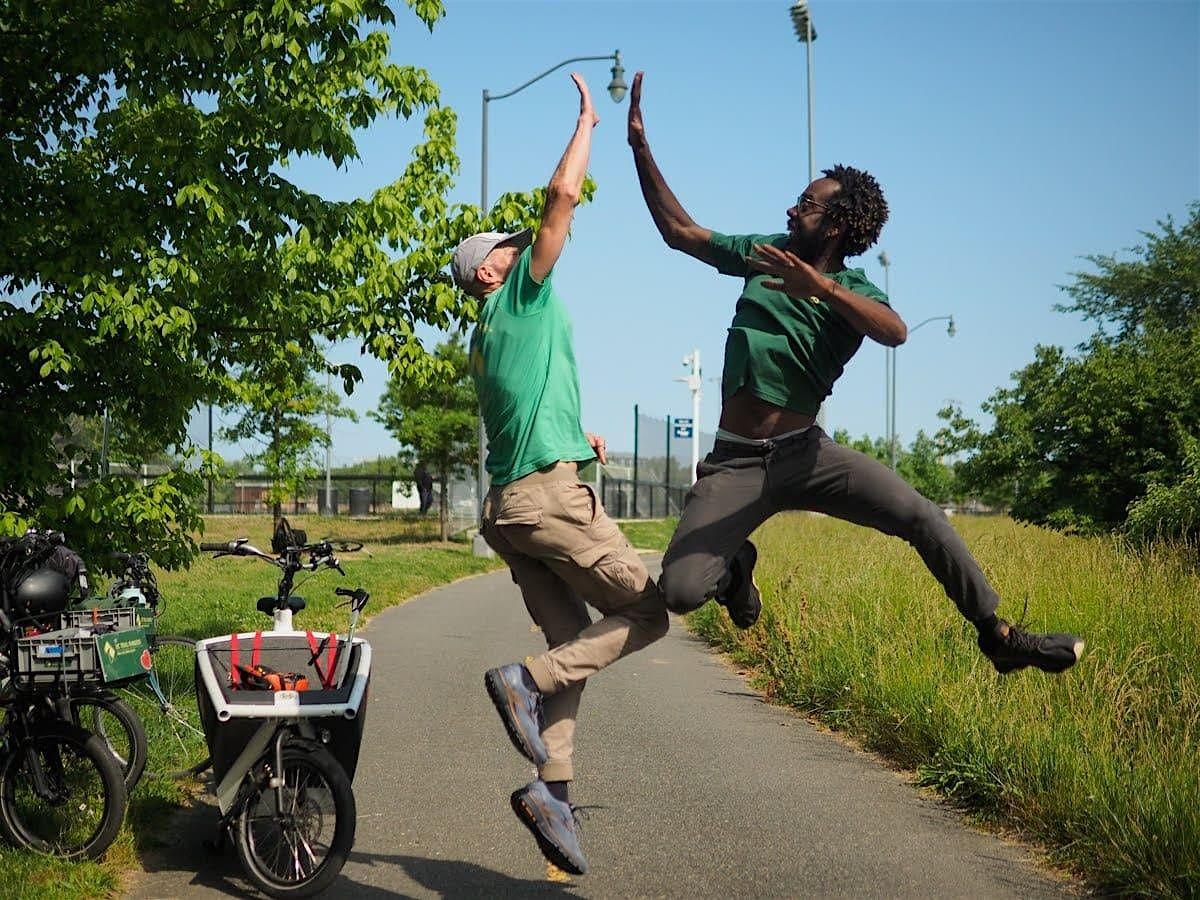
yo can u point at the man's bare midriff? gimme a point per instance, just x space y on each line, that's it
751 417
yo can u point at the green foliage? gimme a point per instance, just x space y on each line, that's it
437 420
1078 442
149 236
280 402
1159 289
1170 510
921 466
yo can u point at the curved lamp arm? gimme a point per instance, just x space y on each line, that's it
616 88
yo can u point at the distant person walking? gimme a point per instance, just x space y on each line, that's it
549 527
424 487
801 316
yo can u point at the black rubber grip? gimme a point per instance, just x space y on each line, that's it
209 545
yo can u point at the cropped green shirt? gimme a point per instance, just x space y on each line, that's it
784 351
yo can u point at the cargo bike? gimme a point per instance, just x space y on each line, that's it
283 712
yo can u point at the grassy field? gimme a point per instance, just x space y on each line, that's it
1101 764
400 558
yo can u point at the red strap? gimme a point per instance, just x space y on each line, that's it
256 655
235 677
327 675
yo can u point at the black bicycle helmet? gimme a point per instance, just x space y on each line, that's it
42 592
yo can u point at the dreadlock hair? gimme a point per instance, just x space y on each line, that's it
859 206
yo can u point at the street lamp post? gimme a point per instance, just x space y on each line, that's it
616 89
950 332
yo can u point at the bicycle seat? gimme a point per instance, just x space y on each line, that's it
266 605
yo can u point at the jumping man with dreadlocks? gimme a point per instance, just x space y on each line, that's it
801 316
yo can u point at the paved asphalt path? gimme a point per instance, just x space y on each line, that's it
695 787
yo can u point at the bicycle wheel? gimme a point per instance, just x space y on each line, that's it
118 726
79 812
177 747
299 849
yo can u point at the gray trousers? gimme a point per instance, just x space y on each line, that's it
739 487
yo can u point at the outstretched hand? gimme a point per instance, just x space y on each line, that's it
587 112
797 278
637 131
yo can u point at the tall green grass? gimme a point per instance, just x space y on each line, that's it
1101 763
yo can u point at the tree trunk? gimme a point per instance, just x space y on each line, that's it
444 513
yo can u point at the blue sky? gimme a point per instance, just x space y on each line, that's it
1011 139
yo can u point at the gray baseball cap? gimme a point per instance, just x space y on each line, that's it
470 254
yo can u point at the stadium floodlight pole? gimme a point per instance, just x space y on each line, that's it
616 89
950 332
806 34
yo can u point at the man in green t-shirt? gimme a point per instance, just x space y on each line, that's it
548 526
801 316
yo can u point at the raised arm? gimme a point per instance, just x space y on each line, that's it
674 224
564 189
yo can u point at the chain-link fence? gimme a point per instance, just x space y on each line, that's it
653 480
348 495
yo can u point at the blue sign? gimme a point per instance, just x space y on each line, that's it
683 428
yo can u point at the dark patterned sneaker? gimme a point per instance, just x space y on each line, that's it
520 708
1011 648
552 824
741 597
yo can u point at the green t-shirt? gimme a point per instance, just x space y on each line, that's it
523 364
784 351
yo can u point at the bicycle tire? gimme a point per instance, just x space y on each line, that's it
89 788
177 747
316 785
116 724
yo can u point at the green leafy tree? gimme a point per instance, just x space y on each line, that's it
436 420
1079 441
149 232
283 408
922 466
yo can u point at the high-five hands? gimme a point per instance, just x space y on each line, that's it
587 112
797 278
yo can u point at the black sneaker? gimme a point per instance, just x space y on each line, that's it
741 596
1011 648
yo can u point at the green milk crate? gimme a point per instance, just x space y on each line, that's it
77 656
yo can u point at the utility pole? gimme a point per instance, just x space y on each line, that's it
693 383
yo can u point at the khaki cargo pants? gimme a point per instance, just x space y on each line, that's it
565 552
